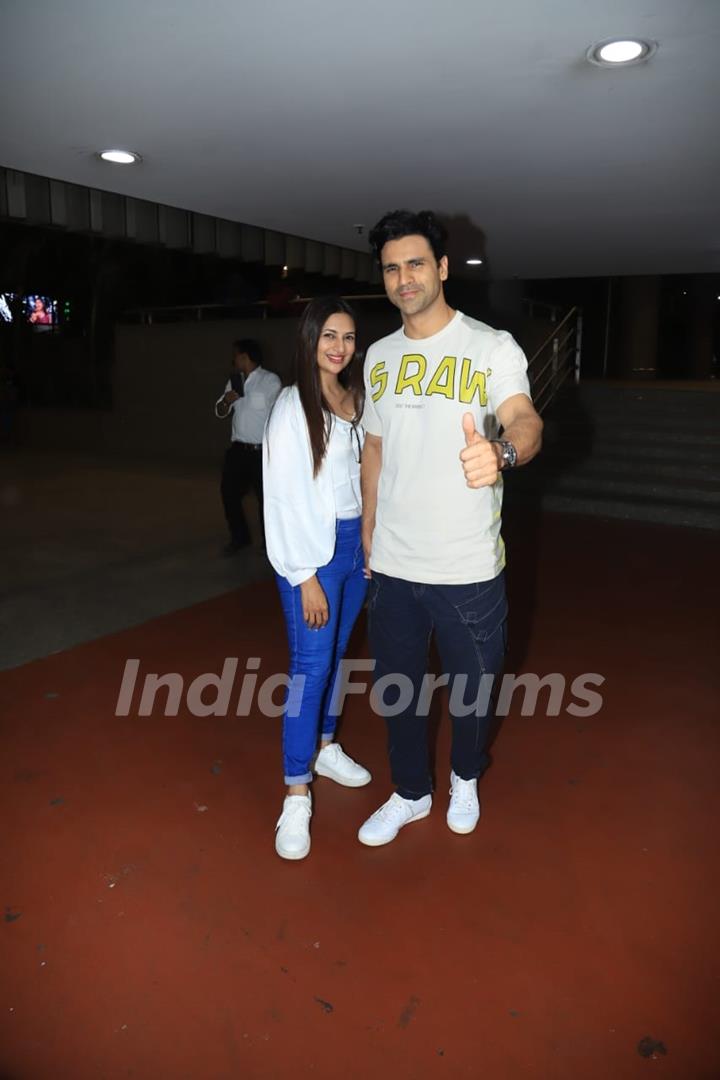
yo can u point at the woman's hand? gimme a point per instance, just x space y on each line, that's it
314 603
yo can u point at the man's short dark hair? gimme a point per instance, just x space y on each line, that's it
399 223
249 346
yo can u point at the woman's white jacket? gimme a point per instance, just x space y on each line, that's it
299 508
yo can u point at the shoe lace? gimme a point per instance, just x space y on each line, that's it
392 809
293 813
462 794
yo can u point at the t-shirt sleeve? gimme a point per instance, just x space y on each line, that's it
370 418
509 371
273 389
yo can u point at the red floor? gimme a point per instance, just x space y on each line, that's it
150 931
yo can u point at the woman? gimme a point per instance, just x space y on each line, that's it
39 316
311 472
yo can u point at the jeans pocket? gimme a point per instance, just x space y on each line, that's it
482 607
372 593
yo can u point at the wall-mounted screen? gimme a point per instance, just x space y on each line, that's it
38 311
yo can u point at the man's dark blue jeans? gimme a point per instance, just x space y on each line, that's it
470 630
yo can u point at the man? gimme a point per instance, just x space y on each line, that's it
438 391
249 395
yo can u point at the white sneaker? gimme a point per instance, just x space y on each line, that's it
464 809
386 823
332 761
292 838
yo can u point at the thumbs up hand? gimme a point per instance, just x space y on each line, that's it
479 459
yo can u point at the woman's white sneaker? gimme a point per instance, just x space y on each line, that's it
384 825
333 762
464 809
292 837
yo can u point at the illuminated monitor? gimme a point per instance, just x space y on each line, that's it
36 310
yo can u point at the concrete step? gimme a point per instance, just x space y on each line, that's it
693 455
626 452
701 491
603 395
570 423
643 488
623 404
593 470
659 513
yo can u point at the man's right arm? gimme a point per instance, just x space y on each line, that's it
225 403
369 477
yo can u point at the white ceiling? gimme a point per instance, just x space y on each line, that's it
311 117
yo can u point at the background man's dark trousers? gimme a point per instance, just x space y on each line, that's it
242 472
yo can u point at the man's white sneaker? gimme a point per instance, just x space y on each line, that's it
464 809
292 838
386 823
332 761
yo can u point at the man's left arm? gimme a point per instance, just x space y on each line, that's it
522 426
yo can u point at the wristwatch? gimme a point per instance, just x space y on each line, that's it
508 453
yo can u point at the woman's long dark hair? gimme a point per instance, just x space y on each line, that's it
318 413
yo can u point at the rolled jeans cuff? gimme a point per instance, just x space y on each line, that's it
304 779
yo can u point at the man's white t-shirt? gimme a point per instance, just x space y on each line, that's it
430 526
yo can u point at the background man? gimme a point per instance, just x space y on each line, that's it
249 395
438 390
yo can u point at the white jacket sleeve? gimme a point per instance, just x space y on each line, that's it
299 520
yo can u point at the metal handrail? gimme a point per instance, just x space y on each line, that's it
553 334
561 366
559 362
561 379
554 354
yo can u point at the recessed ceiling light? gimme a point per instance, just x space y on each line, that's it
120 157
620 51
474 262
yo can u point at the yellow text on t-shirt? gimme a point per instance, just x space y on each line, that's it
445 379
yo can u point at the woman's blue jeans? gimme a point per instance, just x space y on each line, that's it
316 654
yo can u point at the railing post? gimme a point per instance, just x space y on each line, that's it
554 366
578 346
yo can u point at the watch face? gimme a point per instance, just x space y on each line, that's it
509 454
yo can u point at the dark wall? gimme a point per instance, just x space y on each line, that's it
685 330
165 381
